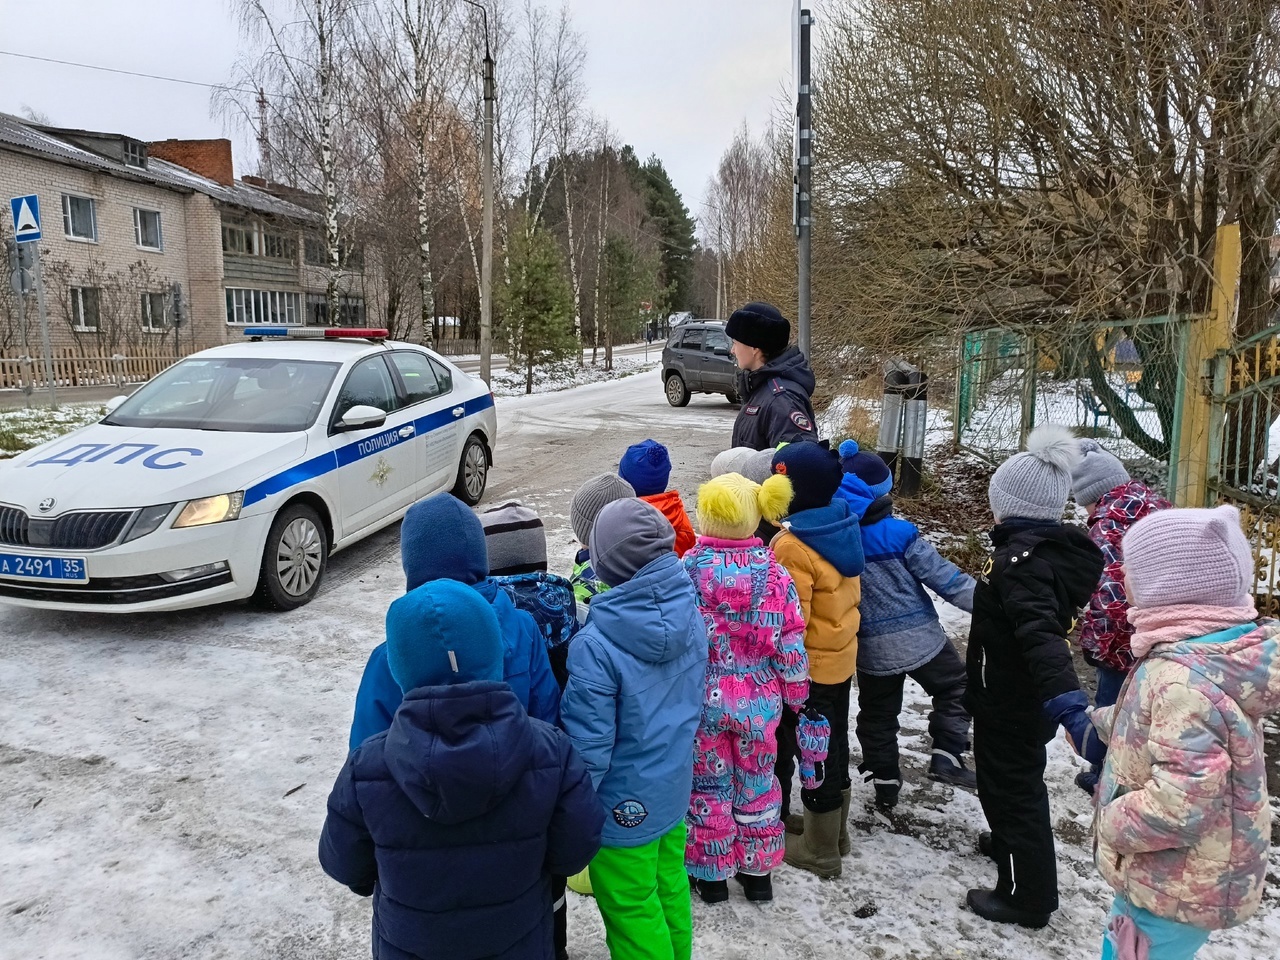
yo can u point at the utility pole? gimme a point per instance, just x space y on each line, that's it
486 240
804 176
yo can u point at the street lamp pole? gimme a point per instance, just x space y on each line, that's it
486 242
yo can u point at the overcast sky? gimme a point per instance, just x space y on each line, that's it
674 77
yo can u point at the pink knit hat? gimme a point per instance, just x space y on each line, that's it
1188 557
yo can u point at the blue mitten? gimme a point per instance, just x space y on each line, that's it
1069 709
813 732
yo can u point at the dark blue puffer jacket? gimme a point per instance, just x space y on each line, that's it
455 819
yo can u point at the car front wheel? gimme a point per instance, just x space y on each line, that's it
677 392
294 560
473 472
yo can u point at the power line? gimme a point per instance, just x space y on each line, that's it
127 73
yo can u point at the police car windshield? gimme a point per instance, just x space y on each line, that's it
242 395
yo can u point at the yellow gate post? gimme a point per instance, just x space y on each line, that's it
1206 335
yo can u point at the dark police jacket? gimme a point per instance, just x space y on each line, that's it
775 403
1024 605
455 819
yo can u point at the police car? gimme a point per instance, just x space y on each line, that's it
238 471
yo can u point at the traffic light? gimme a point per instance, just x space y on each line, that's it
179 307
22 262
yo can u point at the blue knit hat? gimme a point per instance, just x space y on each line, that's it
442 539
442 633
867 467
814 472
647 467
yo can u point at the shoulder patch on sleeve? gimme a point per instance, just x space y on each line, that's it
801 421
751 410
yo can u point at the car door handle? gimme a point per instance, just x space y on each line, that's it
407 430
459 411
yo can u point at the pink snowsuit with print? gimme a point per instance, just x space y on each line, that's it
756 664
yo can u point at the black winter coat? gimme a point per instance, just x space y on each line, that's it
775 403
1034 583
455 819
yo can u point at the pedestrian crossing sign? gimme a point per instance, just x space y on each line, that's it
26 218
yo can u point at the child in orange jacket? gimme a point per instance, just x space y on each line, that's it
647 467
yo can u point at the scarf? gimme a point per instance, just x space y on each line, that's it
1182 621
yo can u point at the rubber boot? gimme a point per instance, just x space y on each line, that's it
845 797
818 848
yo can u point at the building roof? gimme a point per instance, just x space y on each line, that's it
24 137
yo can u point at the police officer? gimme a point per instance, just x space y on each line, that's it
774 380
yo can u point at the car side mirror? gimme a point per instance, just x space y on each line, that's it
114 402
362 417
721 351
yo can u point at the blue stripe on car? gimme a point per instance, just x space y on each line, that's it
352 452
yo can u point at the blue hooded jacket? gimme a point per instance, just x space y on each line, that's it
455 819
899 631
442 539
637 672
832 532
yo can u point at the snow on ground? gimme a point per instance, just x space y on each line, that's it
23 429
551 377
164 777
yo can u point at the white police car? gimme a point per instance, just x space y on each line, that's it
237 471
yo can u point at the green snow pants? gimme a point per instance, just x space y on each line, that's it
643 895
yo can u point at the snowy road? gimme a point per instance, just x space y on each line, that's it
162 778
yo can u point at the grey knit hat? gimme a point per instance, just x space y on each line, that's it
515 539
591 498
1191 556
1097 473
731 461
627 536
1034 485
759 466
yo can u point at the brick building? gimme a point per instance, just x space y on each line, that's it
123 220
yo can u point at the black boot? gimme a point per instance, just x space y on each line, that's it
994 906
948 768
887 793
712 891
756 887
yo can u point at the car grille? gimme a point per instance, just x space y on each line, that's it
13 526
74 531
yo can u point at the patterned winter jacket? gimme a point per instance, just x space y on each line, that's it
1104 629
1183 823
757 661
899 629
586 585
550 600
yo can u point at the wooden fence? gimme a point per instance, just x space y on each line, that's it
74 369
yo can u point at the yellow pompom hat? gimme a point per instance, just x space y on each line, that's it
730 506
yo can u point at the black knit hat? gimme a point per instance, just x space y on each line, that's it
760 325
814 472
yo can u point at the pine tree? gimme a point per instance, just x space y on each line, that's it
540 298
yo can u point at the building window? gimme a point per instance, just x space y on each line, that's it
153 312
278 246
78 220
316 254
135 154
246 307
350 311
84 309
146 229
239 238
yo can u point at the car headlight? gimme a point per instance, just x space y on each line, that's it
198 513
147 521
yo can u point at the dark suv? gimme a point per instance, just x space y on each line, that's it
696 360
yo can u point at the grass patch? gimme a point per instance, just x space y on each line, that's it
23 429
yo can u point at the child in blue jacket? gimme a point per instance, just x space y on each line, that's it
456 818
637 672
900 635
442 539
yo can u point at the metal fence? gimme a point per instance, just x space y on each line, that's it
1117 383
